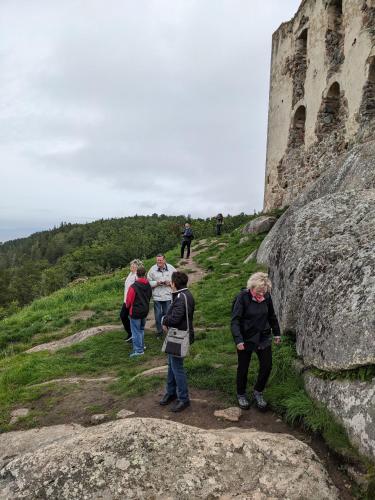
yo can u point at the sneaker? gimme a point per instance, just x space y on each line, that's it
243 402
135 354
259 400
129 339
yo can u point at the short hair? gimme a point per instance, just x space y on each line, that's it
259 279
141 271
161 255
180 279
136 262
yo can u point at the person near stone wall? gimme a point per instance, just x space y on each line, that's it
253 323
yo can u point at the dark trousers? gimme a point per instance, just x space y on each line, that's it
124 315
265 366
187 245
218 229
177 381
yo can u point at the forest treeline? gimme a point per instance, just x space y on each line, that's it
46 261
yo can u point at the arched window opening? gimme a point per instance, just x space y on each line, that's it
371 71
301 43
299 67
334 35
329 115
297 132
367 108
334 13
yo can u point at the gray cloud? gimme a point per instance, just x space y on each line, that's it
121 107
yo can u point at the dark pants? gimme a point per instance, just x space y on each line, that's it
218 229
265 366
124 315
177 381
185 244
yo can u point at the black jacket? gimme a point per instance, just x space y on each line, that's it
141 305
187 234
253 321
176 315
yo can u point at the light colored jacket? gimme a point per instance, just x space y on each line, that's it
128 283
161 293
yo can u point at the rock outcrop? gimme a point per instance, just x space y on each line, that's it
149 458
322 265
353 403
259 225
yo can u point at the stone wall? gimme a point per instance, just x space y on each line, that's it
323 70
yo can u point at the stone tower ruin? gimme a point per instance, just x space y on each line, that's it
322 93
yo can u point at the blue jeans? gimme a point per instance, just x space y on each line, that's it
160 310
138 333
177 381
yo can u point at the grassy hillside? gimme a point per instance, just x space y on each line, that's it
44 262
211 365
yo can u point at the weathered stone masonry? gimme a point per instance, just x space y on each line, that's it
322 93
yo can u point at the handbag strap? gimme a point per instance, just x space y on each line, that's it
187 314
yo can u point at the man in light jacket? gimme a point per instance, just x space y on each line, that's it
159 277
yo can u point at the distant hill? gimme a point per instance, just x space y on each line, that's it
46 261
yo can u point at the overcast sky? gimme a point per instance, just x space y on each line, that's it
115 107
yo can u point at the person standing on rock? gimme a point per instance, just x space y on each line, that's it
124 313
187 237
252 325
178 317
138 304
160 276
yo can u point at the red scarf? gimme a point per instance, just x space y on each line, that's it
257 297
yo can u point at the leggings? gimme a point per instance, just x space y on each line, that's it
265 366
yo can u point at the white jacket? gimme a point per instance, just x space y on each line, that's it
161 292
128 283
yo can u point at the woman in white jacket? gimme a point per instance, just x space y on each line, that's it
130 279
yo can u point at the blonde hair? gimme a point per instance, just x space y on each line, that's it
259 280
137 262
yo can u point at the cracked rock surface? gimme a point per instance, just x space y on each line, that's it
151 458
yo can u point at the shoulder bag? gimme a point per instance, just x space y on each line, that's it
177 341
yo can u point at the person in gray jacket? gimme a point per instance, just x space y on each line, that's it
160 279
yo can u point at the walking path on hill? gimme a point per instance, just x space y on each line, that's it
77 398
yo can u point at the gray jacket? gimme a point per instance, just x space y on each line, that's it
161 292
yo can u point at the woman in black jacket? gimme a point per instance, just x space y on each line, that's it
176 318
253 322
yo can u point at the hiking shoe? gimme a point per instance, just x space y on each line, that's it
180 406
259 400
243 402
135 354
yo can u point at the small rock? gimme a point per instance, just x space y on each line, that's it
225 264
232 414
17 414
96 419
124 414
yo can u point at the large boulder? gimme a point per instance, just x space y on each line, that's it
150 458
353 170
353 403
259 225
322 264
